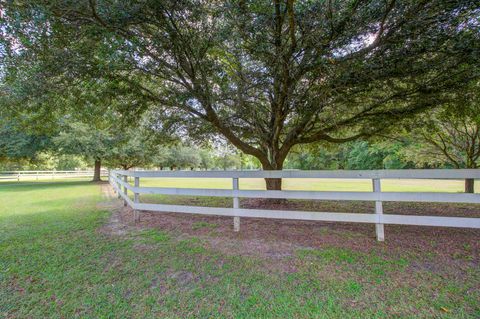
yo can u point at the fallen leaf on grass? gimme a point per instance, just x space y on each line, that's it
444 309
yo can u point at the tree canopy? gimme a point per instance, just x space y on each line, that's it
266 75
17 144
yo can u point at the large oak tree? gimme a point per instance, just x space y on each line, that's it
266 75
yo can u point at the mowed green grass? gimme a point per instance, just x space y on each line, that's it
55 263
315 184
307 184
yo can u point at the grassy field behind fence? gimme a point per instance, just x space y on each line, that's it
308 184
54 263
315 184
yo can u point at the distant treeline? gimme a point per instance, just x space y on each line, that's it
353 155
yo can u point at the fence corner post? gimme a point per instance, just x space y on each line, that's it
236 204
136 199
379 227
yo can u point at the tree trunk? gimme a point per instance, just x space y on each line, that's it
96 172
273 184
469 185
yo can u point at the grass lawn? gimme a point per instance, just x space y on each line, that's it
58 260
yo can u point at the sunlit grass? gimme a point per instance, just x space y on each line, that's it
361 185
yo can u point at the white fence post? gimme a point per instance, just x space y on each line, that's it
125 190
111 181
136 199
236 204
379 228
118 185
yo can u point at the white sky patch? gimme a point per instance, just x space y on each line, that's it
361 42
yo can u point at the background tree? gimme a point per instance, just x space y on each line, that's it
162 158
374 154
452 134
386 155
17 143
206 159
184 157
131 147
227 161
80 139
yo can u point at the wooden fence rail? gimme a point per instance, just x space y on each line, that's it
118 180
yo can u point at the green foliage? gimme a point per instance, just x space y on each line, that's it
376 156
184 157
187 157
206 159
177 157
353 155
18 144
249 162
227 161
131 148
452 133
81 139
266 76
162 157
53 161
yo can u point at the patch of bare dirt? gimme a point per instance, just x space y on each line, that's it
115 225
280 238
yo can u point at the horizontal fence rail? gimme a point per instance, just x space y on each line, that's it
119 181
358 174
36 175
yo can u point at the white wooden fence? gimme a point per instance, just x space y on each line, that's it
37 175
119 181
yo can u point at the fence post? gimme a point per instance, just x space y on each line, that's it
379 228
119 186
236 204
18 177
125 190
136 199
111 180
37 175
